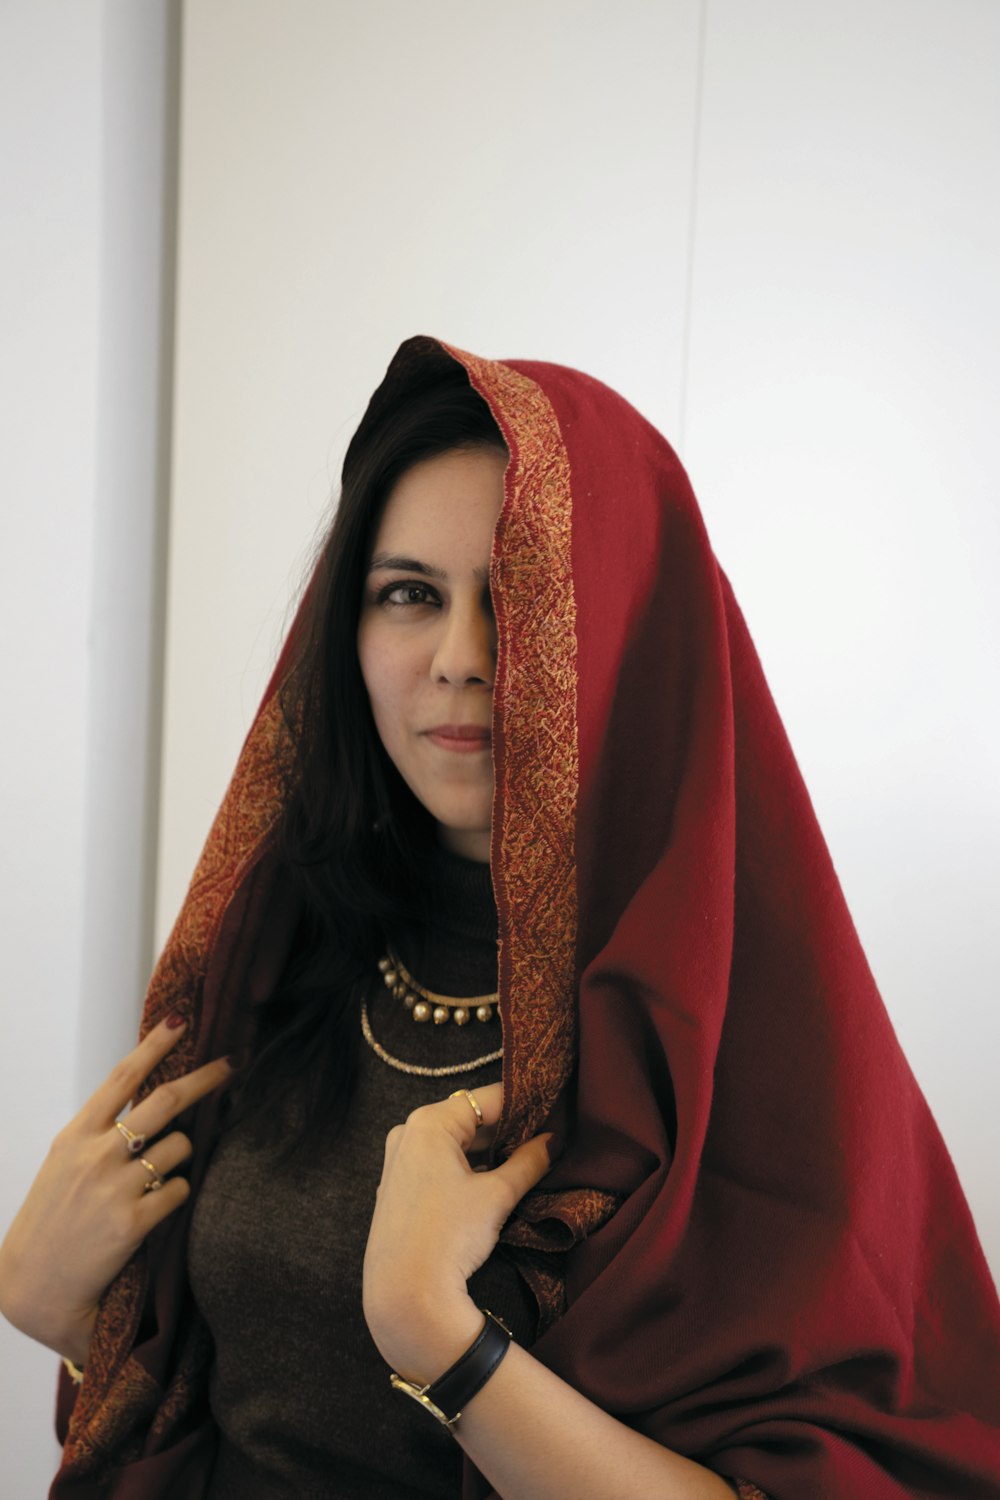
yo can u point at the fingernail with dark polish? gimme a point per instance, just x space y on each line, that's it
175 1019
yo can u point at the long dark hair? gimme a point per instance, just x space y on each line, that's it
352 834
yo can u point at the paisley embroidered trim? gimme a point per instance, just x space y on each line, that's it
535 749
249 812
119 1396
113 1434
536 763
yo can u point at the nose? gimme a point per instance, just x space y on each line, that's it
466 650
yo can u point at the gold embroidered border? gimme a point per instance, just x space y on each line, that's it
248 813
113 1432
534 865
117 1396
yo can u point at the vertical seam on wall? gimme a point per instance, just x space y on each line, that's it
692 225
164 478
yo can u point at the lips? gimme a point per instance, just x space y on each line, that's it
463 738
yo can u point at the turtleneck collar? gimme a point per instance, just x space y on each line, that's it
461 903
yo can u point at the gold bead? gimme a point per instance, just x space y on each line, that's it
389 977
399 991
440 1014
460 1015
421 1011
484 1012
409 1000
383 965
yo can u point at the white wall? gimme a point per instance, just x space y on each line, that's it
50 168
353 174
772 225
84 165
841 429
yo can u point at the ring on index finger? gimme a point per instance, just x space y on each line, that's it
134 1139
468 1094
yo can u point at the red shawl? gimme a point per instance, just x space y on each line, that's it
771 1266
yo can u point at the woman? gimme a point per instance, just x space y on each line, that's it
750 1263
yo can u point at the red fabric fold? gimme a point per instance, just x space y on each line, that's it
792 1289
763 1257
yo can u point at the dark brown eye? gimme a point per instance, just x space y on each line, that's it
399 595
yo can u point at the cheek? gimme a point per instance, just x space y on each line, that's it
371 660
386 678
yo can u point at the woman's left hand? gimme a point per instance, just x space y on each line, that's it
436 1221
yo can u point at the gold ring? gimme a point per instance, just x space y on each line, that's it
467 1094
132 1138
155 1181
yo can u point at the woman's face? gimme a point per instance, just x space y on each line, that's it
427 638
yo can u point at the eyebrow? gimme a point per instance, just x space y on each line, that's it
383 561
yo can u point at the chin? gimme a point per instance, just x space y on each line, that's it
464 815
460 833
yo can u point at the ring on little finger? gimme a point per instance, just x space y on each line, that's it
156 1181
134 1140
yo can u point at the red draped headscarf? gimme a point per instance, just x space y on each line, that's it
754 1247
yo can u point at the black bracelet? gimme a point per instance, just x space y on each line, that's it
453 1390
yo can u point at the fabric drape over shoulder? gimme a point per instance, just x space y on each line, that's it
754 1248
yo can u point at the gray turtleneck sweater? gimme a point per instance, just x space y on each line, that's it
299 1392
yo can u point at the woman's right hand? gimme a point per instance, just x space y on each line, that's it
88 1211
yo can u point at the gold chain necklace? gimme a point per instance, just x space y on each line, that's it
424 1005
417 1069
